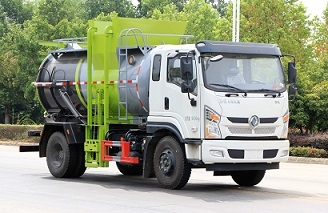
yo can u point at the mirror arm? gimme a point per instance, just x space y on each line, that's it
193 102
289 55
191 52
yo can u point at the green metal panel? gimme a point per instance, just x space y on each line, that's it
103 40
77 88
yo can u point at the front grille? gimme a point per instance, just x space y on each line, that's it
270 153
236 153
245 120
240 154
240 131
265 131
250 131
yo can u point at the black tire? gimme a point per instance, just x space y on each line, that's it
61 157
248 178
129 169
80 163
170 164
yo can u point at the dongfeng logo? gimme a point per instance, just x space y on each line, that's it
254 121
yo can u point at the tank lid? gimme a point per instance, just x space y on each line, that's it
77 52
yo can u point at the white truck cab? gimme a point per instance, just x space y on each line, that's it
229 103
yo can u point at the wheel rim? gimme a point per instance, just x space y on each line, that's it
166 162
57 156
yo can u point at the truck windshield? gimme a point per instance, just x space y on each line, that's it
244 73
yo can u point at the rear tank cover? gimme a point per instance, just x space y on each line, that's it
67 70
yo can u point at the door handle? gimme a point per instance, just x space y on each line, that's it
166 103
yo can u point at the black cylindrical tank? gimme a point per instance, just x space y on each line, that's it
68 69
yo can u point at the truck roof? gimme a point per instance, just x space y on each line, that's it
238 47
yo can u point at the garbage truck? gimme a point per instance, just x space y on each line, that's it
136 92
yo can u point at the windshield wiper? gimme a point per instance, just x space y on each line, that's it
231 87
272 93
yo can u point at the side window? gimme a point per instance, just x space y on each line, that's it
156 67
173 71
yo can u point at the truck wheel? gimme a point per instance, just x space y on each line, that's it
61 157
170 164
130 170
248 178
80 164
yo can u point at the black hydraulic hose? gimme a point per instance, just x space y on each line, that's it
70 106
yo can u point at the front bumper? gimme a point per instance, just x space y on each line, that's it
244 151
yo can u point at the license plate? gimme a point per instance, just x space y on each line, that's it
253 154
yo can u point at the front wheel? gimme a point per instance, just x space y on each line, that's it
170 164
248 178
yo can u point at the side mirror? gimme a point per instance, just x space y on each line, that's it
292 80
292 92
291 73
187 87
186 67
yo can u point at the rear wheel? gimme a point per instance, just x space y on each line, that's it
80 162
170 164
248 178
129 169
61 157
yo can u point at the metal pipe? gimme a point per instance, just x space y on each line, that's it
70 106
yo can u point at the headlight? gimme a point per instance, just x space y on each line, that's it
212 121
285 120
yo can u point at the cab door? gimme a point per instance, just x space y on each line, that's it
178 108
